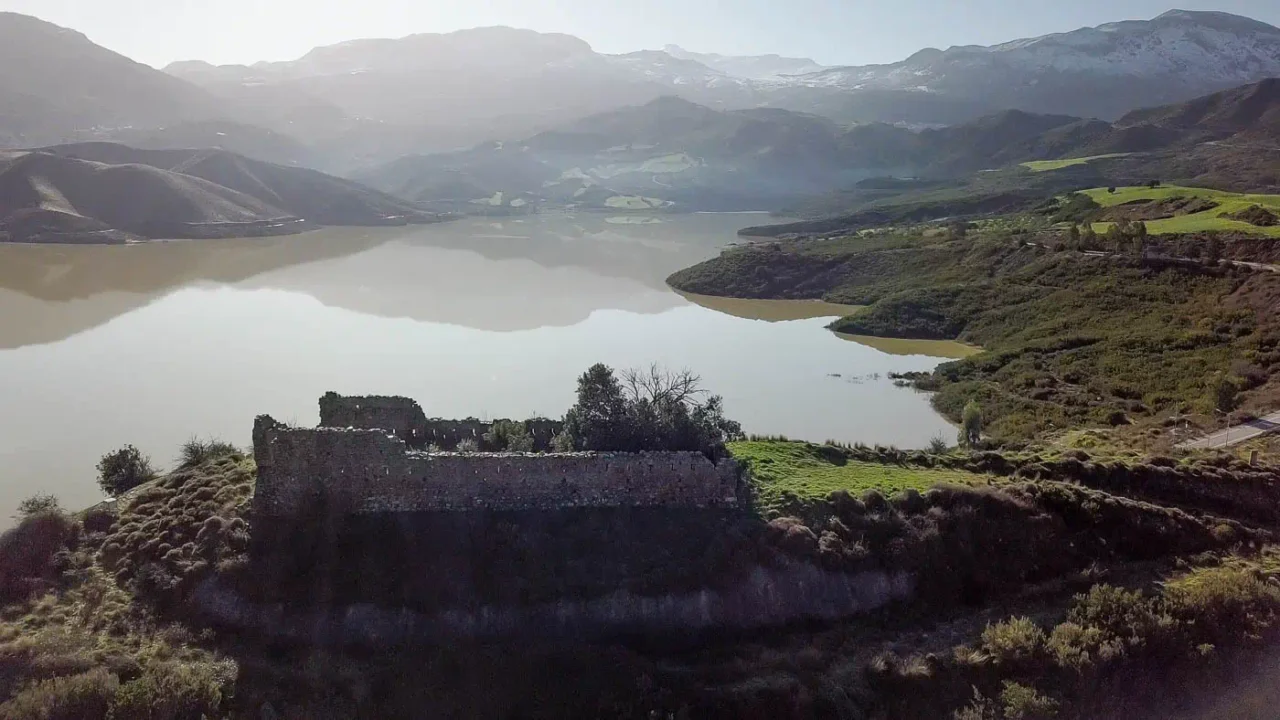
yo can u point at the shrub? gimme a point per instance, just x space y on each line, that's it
1013 640
469 446
562 442
938 445
198 452
27 553
510 436
1025 703
123 470
971 424
38 504
171 692
1074 646
1124 615
86 696
99 519
1225 603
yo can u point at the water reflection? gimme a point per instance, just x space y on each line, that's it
772 310
49 293
149 345
949 349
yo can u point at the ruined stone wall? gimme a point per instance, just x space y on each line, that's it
405 419
446 434
399 416
351 471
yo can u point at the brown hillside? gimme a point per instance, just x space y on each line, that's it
45 193
1253 109
308 194
55 82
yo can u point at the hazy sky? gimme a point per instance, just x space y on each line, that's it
831 31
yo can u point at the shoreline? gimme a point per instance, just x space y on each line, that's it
212 231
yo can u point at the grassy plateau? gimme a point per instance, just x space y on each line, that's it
1196 222
806 472
1049 165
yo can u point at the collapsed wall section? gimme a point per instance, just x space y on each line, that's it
351 471
404 418
399 416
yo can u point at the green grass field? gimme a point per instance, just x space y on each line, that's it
1047 165
780 467
1198 222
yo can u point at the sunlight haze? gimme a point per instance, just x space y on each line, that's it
829 31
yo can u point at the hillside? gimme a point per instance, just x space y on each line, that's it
1105 71
1089 336
666 153
102 192
682 155
1009 581
432 92
364 103
47 197
1228 140
319 198
56 85
249 140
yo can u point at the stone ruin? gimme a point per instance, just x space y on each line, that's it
363 535
367 457
404 418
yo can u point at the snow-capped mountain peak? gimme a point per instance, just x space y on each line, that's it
1175 56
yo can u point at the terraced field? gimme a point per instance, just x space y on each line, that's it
1048 165
1197 222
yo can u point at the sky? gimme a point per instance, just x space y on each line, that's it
833 32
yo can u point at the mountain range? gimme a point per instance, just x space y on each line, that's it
671 153
359 104
1101 72
500 120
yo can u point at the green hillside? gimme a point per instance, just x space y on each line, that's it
1047 165
1228 203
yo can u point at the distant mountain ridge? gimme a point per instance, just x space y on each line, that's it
536 82
360 104
668 153
1103 71
671 153
55 83
750 67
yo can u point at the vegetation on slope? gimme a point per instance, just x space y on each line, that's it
785 474
1215 218
109 627
1048 165
1071 339
97 630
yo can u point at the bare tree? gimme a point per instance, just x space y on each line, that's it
660 386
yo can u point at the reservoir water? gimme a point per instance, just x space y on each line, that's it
152 344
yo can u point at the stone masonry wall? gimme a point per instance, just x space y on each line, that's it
446 434
353 471
404 418
399 416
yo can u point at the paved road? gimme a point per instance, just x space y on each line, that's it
1235 435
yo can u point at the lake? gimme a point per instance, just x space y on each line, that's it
153 344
